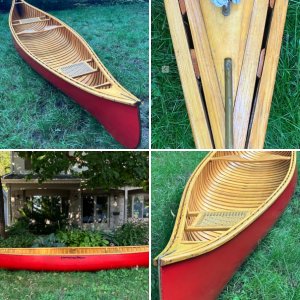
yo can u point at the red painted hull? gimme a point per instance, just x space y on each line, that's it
72 263
205 276
120 120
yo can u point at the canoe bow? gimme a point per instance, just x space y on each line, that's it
229 204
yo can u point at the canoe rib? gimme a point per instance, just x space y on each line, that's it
48 45
223 201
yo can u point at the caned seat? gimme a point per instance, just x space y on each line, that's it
217 220
30 20
78 69
46 28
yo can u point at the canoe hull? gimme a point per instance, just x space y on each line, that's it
72 263
205 276
120 120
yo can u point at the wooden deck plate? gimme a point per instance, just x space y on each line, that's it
227 37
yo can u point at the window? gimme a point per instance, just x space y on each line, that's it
95 209
27 164
138 206
52 204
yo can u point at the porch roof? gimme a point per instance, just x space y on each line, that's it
21 178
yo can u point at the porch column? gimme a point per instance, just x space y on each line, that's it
125 203
9 206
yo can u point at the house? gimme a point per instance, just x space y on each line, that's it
87 208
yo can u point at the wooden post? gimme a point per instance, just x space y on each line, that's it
2 218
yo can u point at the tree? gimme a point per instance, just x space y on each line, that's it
4 167
104 169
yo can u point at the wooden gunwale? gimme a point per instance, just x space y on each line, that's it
196 112
267 81
247 80
212 90
130 100
70 251
194 249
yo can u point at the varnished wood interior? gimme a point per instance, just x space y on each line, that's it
74 250
226 193
59 48
254 27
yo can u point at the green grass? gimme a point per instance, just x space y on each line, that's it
170 124
271 271
34 114
104 285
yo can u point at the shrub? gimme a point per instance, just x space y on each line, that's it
132 233
82 238
18 236
46 218
50 240
20 227
66 4
24 240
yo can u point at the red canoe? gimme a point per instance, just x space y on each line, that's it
74 259
62 57
229 204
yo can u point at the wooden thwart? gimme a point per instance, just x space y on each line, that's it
101 85
30 20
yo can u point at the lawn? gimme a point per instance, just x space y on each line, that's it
34 114
111 285
271 271
170 123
